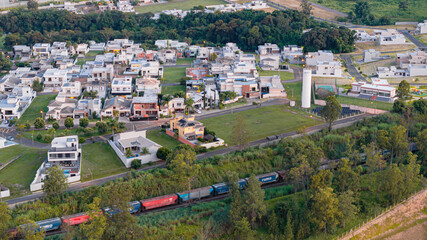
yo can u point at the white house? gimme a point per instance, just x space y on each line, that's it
392 40
167 43
271 87
175 105
293 54
41 50
134 145
268 49
312 58
82 49
121 86
371 55
269 62
422 27
27 79
70 90
143 84
380 92
54 78
88 107
392 72
16 102
328 69
363 36
415 70
125 6
97 86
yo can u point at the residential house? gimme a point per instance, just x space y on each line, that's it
268 49
187 129
312 58
82 49
97 86
116 105
417 58
415 70
193 51
392 40
70 90
271 87
245 86
422 27
15 104
269 62
328 69
167 43
61 108
145 107
41 50
385 32
196 73
21 51
134 145
88 108
363 36
374 91
93 46
102 73
167 56
54 78
143 84
205 53
152 69
122 86
293 54
175 105
59 49
392 72
28 78
244 68
249 59
125 6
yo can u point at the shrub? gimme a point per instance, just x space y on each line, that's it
136 164
39 123
84 122
55 125
82 140
39 136
69 122
162 153
48 138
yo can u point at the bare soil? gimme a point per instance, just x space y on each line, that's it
405 221
383 48
317 12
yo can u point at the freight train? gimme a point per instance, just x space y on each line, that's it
135 207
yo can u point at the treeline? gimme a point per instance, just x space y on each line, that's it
246 28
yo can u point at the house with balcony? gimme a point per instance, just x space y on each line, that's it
116 106
27 79
328 69
82 49
93 46
175 105
145 107
143 84
15 104
312 58
363 36
417 58
205 53
97 86
269 62
122 86
102 73
167 43
41 50
244 68
54 78
167 56
186 129
391 72
293 54
271 87
134 145
59 49
61 108
88 108
66 153
269 49
21 51
70 90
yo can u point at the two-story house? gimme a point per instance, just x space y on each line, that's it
121 86
145 107
54 78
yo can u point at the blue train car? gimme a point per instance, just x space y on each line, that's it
242 183
268 178
134 207
220 188
47 225
195 194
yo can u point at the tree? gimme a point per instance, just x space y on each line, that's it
236 207
383 140
129 153
135 164
324 209
398 141
69 122
362 10
189 102
32 5
306 7
4 220
331 111
289 231
273 224
403 5
399 106
421 143
55 184
346 179
346 207
183 163
301 175
403 90
255 206
243 230
162 153
411 174
94 228
55 125
101 126
420 106
391 183
373 160
84 122
27 231
39 123
321 180
240 133
37 85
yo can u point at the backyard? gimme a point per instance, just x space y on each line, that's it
99 160
163 139
19 174
179 4
33 111
283 74
261 122
173 74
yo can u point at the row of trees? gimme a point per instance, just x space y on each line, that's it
246 28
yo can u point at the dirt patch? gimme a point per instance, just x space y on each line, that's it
317 12
417 232
384 48
403 218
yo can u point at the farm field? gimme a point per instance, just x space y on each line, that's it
179 4
379 8
19 174
33 111
100 160
173 74
283 75
163 139
263 122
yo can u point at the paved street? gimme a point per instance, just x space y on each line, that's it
414 40
352 69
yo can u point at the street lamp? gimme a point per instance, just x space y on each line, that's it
42 114
311 116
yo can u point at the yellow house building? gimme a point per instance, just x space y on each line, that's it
187 127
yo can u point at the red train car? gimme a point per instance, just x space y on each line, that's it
158 202
76 219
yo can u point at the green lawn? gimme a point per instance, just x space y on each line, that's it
28 134
297 89
163 139
33 111
94 53
416 8
82 61
261 122
174 74
184 61
173 89
283 75
184 5
100 160
19 174
365 103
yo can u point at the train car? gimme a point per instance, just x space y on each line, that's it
220 188
134 207
76 219
158 202
282 174
268 178
195 194
242 183
47 225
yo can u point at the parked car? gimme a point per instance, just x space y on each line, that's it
10 138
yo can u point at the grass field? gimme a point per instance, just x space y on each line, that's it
19 174
283 75
173 75
184 5
297 89
100 160
73 131
365 103
262 122
33 111
163 139
415 12
184 61
172 89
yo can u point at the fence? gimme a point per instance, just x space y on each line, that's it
353 232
